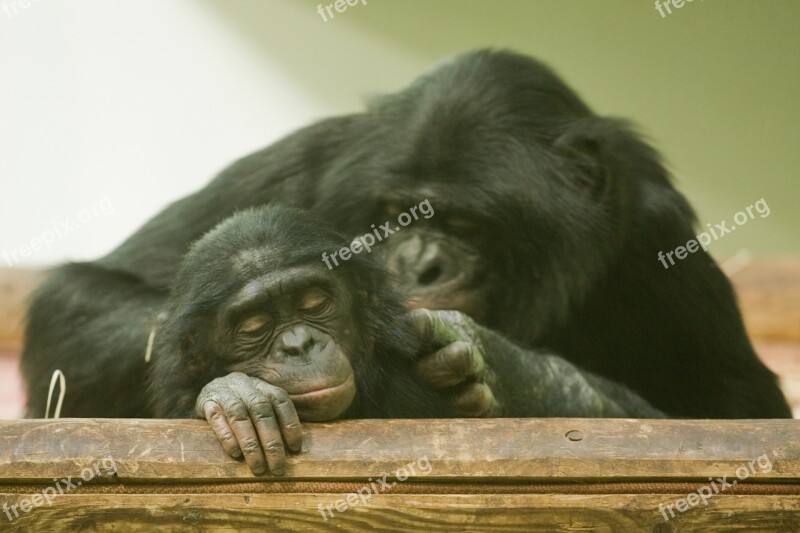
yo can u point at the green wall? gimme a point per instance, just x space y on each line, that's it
714 85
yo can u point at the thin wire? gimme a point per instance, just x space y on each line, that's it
62 392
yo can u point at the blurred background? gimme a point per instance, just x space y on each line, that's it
110 110
142 102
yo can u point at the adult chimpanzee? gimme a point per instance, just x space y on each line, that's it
549 221
256 325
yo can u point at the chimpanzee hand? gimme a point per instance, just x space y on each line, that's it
454 361
251 418
459 356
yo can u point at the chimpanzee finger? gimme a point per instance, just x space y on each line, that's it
434 332
269 434
238 416
284 409
216 418
453 364
475 400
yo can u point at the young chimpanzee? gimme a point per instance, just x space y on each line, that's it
257 331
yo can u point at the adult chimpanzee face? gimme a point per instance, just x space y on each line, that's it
292 329
436 261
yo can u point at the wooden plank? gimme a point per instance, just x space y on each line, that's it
383 512
457 450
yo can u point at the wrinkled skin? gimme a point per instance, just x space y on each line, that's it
251 419
458 368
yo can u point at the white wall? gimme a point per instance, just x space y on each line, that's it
110 110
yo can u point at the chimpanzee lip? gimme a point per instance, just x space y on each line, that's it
323 391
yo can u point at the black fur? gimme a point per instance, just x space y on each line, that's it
577 206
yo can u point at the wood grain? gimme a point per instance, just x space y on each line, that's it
458 449
391 512
497 475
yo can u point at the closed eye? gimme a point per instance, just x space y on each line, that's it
254 324
314 300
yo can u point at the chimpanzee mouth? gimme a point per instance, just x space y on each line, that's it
322 393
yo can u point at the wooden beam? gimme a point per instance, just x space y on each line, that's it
498 474
412 513
33 451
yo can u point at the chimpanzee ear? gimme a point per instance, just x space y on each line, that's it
587 148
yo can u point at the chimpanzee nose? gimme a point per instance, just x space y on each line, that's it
422 264
296 342
430 272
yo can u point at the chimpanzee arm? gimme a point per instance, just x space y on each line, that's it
92 324
508 381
